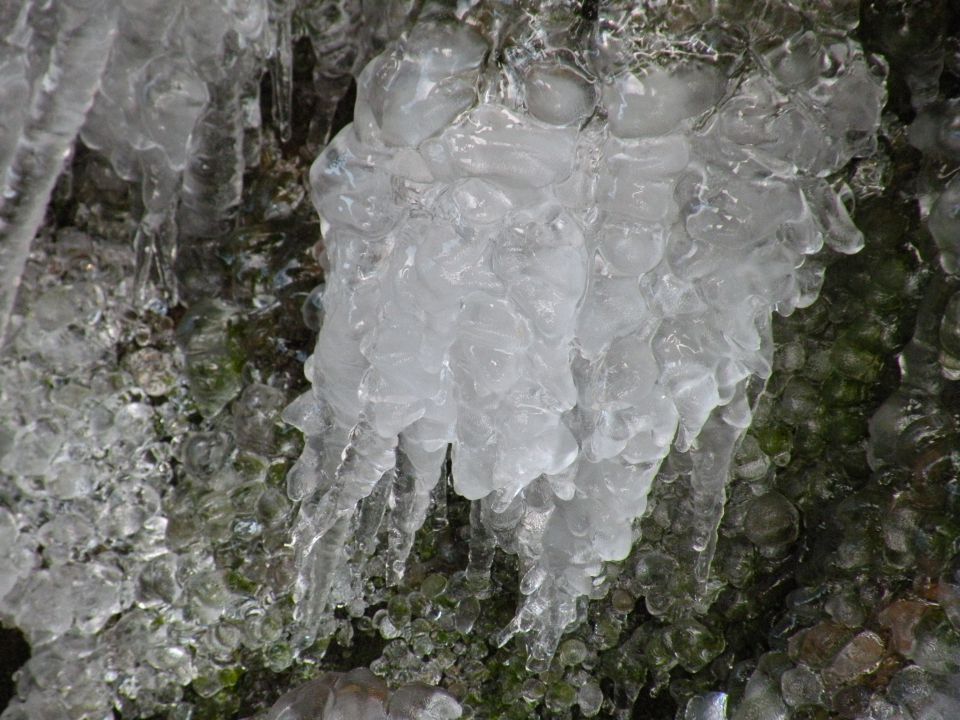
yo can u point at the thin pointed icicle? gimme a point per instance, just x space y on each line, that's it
321 534
319 557
281 68
708 478
370 518
420 472
155 239
65 93
363 537
153 247
439 518
483 546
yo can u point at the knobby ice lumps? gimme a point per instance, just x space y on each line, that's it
564 267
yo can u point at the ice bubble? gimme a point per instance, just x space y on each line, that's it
655 102
709 706
559 94
204 453
419 91
254 415
771 520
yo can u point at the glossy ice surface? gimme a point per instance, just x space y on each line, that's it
564 275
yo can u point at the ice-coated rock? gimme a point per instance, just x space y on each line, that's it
361 695
562 283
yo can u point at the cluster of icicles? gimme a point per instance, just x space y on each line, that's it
560 271
167 90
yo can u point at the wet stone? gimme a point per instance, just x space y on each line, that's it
771 521
861 656
816 646
801 686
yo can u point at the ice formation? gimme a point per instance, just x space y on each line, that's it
158 87
561 265
33 144
168 91
361 695
144 548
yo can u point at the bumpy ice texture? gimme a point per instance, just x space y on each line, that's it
562 280
167 90
361 695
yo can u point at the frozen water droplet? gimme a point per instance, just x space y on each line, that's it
559 94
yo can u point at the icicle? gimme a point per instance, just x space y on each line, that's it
322 532
439 519
482 549
153 245
213 179
155 240
420 473
65 94
15 83
370 518
711 470
365 459
281 68
319 557
252 122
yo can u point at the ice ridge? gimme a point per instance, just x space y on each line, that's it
563 269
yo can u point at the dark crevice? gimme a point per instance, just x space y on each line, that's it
14 652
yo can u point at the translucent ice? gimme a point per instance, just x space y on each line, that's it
562 284
59 105
153 85
361 695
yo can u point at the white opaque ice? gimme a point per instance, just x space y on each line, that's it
416 94
496 143
568 296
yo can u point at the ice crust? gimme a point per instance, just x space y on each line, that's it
563 274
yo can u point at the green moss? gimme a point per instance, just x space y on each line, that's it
774 438
238 583
852 360
840 391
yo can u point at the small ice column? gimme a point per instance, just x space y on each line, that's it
213 177
281 66
563 280
63 95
